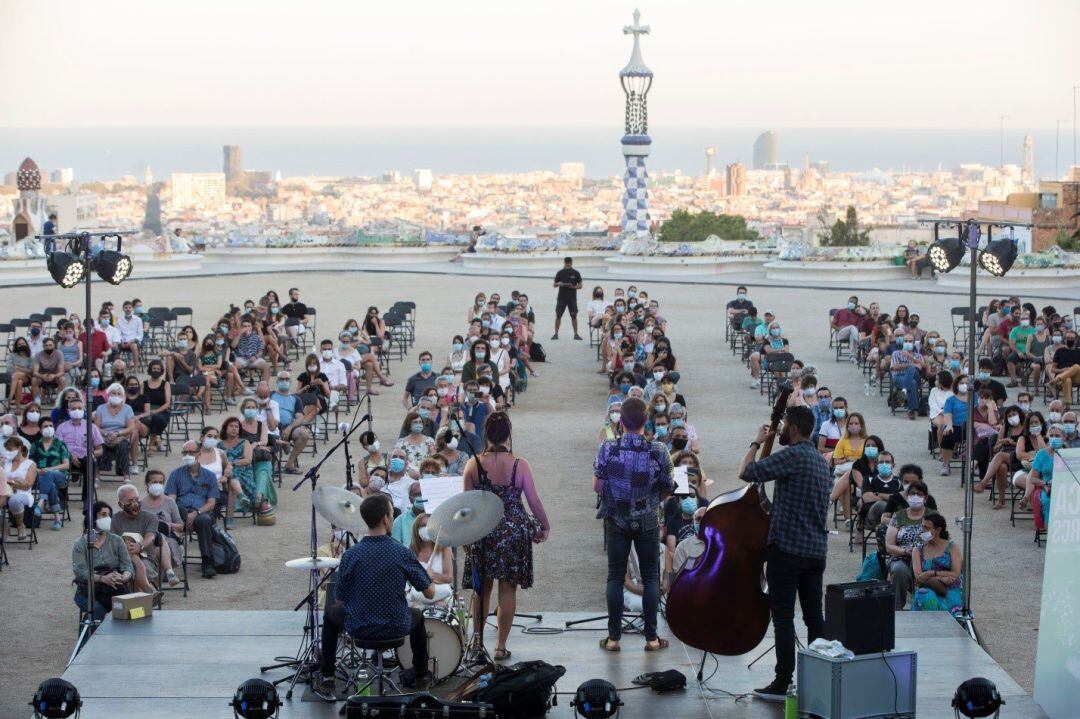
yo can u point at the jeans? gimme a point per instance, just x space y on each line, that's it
788 575
646 542
49 483
908 379
100 607
334 624
203 530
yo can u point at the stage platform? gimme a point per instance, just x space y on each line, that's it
188 663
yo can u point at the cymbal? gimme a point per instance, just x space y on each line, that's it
340 507
306 563
465 518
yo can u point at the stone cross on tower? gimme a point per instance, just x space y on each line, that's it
636 79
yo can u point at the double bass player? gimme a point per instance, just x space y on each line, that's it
798 535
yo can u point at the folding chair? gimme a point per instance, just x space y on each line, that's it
832 332
184 315
960 328
8 518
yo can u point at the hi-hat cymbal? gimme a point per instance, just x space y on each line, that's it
340 507
306 563
465 518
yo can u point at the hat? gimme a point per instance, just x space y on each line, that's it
614 399
133 535
770 312
673 377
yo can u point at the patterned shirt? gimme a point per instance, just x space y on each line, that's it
249 346
55 454
371 583
635 473
798 523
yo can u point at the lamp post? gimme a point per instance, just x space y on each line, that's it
68 267
997 258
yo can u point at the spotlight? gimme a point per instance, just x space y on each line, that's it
66 269
596 699
256 699
977 697
998 257
56 699
112 266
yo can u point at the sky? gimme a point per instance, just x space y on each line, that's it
737 63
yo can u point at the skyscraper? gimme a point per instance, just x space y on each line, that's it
231 164
197 189
710 152
1029 160
765 149
736 179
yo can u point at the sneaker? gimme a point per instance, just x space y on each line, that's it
324 687
754 384
230 523
945 471
577 337
555 336
776 691
37 510
208 571
57 525
249 390
231 401
171 578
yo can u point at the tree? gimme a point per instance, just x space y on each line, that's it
686 226
152 220
842 233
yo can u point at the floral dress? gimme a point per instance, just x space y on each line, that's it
506 553
254 484
927 600
416 453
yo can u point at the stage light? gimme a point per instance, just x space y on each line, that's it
256 699
998 257
946 254
112 266
977 697
56 699
596 699
66 269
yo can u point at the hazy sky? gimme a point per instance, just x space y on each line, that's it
831 63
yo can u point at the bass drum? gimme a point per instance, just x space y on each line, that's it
445 648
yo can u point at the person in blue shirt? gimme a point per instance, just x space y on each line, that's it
1038 480
195 490
370 601
294 419
952 427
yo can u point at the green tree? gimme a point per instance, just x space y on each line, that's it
842 233
1067 242
152 219
687 226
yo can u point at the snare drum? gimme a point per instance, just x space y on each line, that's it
445 648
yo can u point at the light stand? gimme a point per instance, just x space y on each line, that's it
68 267
944 255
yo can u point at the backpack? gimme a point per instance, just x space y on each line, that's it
226 555
525 689
897 400
537 353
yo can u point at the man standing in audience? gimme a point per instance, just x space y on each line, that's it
131 332
568 280
194 488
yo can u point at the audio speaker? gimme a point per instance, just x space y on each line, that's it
861 616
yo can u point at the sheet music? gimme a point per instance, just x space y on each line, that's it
682 479
436 490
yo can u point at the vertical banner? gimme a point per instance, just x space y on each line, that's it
1057 664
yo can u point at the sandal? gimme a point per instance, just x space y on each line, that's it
979 487
661 643
386 382
610 645
501 655
999 504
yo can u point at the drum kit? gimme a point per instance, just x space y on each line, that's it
462 519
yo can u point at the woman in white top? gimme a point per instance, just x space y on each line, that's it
458 356
596 307
213 458
438 561
501 358
17 477
938 396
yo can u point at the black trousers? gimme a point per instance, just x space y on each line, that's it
203 531
789 575
334 625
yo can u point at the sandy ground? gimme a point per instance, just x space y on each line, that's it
555 428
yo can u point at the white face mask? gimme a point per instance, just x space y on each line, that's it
76 414
614 417
1014 420
328 355
7 430
33 417
377 484
962 388
374 446
452 444
115 401
188 460
1052 416
425 535
48 432
210 443
916 501
156 489
103 524
8 454
926 536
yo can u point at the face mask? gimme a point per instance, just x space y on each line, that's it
424 413
181 344
452 444
1006 311
283 385
678 443
115 401
425 367
1035 428
188 460
313 368
824 404
95 382
48 432
983 376
33 417
661 432
481 354
210 443
424 533
1056 339
870 452
884 469
1024 406
418 503
741 295
458 347
1013 420
1025 323
327 354
156 489
397 465
505 341
617 335
615 417
661 407
155 373
677 422
851 306
1070 343
689 505
1052 416
954 364
103 524
926 536
916 501
8 454
962 388
75 414
417 427
250 413
1055 442
775 331
908 346
1067 427
839 413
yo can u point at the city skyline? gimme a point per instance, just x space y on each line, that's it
787 65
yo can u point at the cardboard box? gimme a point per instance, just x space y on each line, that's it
133 606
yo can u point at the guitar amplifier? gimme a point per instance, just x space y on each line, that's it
414 706
861 615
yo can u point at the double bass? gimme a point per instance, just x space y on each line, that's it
718 603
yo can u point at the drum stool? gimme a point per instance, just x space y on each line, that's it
378 672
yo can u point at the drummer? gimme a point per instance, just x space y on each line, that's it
369 601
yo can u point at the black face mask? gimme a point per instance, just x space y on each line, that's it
1070 343
679 443
155 373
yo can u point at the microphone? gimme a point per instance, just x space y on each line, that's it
344 427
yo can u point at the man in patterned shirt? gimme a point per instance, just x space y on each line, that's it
370 597
798 535
248 347
633 477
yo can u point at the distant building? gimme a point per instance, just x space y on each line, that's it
1029 160
736 179
197 189
765 150
63 176
710 153
423 180
391 177
29 207
231 163
1054 209
73 211
572 170
148 176
822 167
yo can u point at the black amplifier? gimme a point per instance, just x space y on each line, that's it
414 706
861 616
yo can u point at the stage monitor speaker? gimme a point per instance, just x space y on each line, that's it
861 616
414 706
